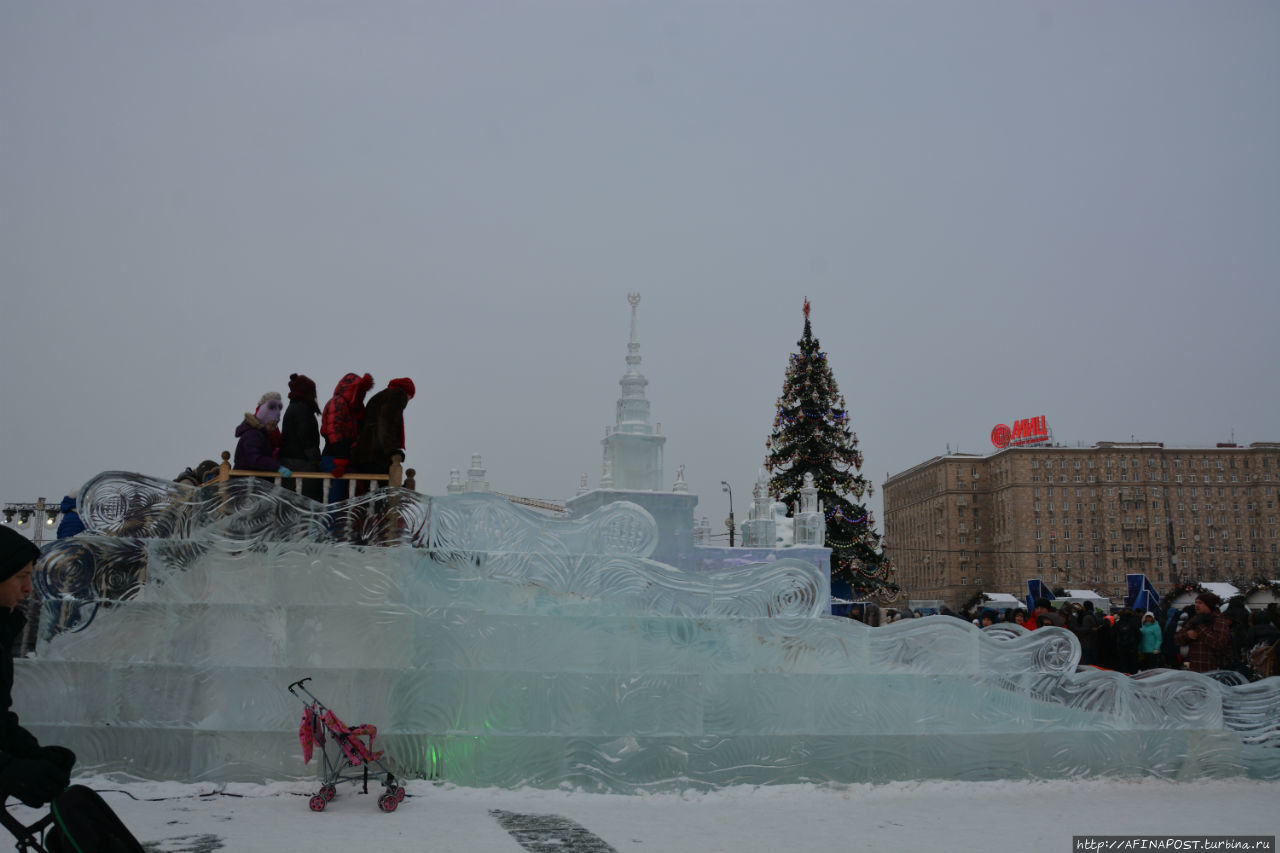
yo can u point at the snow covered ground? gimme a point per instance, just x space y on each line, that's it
195 818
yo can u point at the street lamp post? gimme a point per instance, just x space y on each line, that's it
729 521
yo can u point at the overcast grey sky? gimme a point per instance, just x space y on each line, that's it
998 210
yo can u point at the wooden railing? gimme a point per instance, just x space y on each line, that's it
397 476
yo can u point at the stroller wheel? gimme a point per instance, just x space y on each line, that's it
329 791
318 802
388 802
399 795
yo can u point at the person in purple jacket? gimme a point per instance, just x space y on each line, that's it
254 450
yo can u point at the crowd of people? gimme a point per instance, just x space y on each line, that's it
1202 637
358 438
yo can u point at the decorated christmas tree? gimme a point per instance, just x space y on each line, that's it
812 435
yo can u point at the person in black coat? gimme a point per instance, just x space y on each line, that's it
1085 626
300 434
1127 632
1238 615
33 773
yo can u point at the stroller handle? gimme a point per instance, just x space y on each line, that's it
299 684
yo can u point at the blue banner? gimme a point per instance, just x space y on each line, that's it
1036 589
1141 595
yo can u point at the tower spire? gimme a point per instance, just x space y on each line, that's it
633 448
633 408
633 346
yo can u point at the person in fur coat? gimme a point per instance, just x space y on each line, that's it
382 432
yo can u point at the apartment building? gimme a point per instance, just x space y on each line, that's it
1084 517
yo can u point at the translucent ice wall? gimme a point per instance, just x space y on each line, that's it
494 646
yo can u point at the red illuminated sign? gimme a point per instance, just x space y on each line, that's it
1025 431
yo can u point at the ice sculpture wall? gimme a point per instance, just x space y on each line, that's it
494 646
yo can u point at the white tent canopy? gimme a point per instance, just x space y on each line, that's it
1223 590
1258 599
1083 595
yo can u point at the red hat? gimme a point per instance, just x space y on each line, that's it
405 385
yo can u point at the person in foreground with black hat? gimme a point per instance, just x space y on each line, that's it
33 773
1207 635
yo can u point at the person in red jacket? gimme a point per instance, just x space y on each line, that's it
1207 635
340 425
1044 614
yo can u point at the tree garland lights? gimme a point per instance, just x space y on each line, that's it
811 435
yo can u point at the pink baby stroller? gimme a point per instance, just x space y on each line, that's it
354 750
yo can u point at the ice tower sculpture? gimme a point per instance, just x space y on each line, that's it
811 526
496 646
476 481
632 449
760 529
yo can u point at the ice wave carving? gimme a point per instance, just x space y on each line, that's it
245 512
495 646
602 557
